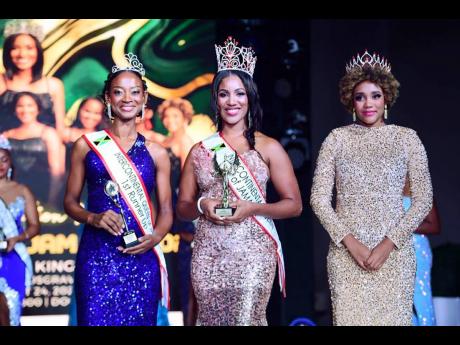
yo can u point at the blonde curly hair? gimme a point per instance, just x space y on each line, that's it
375 75
179 103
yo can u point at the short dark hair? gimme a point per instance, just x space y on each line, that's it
112 76
10 67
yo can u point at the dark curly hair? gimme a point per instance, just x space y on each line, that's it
254 102
183 105
375 75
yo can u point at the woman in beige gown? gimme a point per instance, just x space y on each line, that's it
371 259
234 258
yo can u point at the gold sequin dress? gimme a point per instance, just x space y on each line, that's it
233 267
368 167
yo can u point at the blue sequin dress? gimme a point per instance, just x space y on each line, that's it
112 288
423 302
14 277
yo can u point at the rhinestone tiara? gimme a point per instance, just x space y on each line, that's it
368 59
24 26
232 57
132 64
4 143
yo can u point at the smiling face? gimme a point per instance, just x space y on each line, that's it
369 104
27 109
232 100
91 113
126 95
24 52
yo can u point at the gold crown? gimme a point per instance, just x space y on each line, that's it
368 59
24 26
232 57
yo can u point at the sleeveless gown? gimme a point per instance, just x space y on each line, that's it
112 288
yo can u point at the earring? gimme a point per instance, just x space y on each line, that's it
9 173
385 113
354 115
109 111
143 112
249 119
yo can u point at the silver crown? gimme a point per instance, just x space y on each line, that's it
133 64
232 57
4 143
24 26
368 59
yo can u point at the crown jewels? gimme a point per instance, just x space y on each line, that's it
232 57
133 64
24 26
371 60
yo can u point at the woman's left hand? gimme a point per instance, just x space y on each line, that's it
11 242
147 242
244 209
379 255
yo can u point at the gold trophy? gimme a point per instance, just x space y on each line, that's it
111 189
225 166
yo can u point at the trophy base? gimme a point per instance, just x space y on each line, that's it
224 211
130 239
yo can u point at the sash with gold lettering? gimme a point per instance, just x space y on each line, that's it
244 186
132 188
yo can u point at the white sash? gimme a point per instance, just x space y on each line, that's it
10 229
244 185
132 188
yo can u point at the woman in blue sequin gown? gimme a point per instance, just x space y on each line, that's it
423 313
117 286
15 263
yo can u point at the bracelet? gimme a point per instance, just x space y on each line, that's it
27 235
198 205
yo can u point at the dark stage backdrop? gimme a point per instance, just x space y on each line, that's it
424 56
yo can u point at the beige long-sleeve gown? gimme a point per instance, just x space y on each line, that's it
368 167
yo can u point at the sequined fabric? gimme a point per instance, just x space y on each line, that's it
233 267
368 167
13 269
115 289
423 301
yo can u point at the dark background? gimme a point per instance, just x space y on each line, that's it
300 62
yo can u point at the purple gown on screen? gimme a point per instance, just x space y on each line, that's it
112 288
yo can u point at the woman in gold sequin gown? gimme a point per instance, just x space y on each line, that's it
234 260
371 259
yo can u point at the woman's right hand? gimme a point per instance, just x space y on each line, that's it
208 205
109 220
358 251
